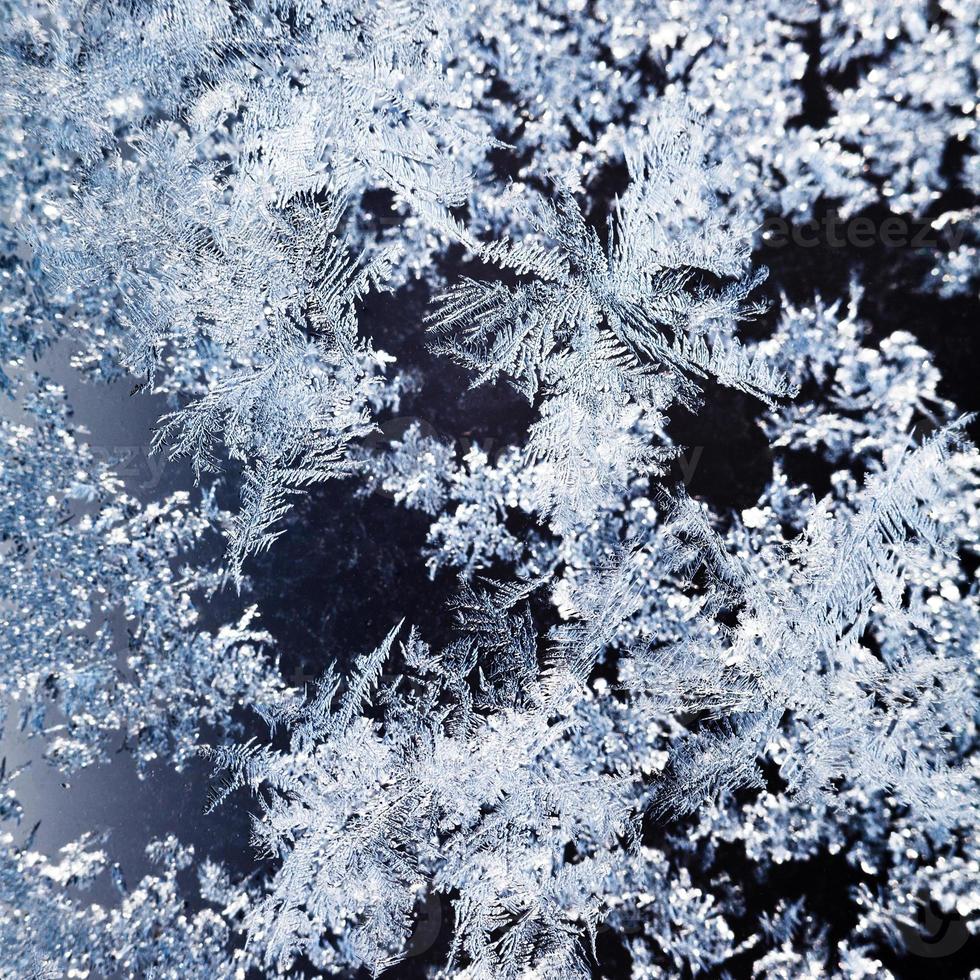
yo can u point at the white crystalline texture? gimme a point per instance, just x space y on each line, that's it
651 710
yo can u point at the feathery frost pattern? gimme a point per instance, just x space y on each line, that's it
563 536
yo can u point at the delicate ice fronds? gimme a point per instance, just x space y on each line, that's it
641 290
800 647
358 694
612 334
611 595
219 150
197 261
480 797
